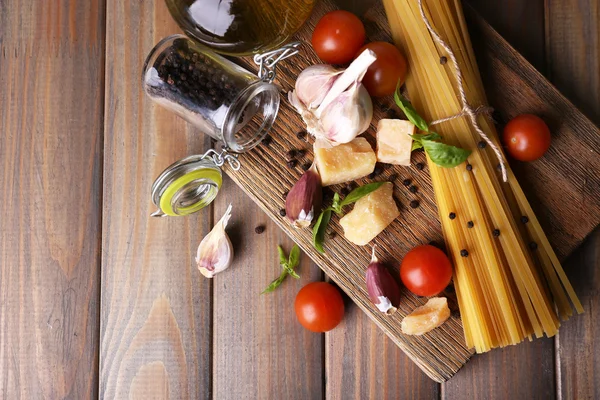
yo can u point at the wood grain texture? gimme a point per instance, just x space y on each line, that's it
573 51
51 107
433 352
260 349
156 307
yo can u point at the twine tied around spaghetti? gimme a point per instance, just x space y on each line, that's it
467 109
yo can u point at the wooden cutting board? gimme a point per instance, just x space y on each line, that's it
563 187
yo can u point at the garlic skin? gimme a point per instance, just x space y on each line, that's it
215 252
346 100
304 199
313 84
383 289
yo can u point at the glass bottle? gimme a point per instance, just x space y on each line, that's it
241 27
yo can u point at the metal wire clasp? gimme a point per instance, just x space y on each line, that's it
267 62
220 158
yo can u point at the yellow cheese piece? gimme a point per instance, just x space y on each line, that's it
426 318
345 162
371 215
394 143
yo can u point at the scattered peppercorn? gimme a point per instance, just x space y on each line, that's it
259 229
499 167
351 186
452 215
301 134
291 163
332 234
464 253
285 195
469 167
496 232
392 114
443 60
482 144
393 177
470 224
413 189
292 153
282 212
306 166
406 182
414 204
300 153
267 140
524 219
533 245
345 190
420 166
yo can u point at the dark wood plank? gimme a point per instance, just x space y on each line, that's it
363 363
260 350
573 53
156 307
520 22
51 118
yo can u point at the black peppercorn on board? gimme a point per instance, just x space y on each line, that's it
563 187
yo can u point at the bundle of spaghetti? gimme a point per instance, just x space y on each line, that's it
509 282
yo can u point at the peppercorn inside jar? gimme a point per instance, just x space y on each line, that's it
221 98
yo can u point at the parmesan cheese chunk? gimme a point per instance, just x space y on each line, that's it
371 215
345 162
394 143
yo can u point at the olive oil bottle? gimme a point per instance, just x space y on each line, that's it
241 27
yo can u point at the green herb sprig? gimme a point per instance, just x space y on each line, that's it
440 153
287 264
320 226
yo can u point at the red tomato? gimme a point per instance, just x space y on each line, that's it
383 75
319 306
526 137
338 36
426 270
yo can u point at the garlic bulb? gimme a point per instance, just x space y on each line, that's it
215 251
313 84
347 114
342 108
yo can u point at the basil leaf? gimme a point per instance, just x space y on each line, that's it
282 257
445 155
335 205
416 145
275 284
427 136
294 257
319 230
360 192
292 273
410 111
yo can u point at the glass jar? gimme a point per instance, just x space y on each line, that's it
221 98
241 27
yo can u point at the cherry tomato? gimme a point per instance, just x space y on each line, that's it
526 137
383 75
426 270
338 36
319 306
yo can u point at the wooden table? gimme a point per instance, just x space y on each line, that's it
98 300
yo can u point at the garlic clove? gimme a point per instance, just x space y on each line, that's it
381 286
348 115
215 252
313 84
304 199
